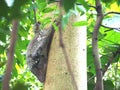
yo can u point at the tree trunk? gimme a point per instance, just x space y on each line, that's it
58 77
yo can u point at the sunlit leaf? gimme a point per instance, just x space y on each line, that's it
49 9
80 23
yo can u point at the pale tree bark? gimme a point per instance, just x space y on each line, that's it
58 76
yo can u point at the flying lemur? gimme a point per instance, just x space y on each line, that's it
37 51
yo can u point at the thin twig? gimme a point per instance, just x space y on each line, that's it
110 28
112 12
107 27
91 78
10 56
88 5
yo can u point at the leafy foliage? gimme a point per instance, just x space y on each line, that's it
108 46
109 42
68 6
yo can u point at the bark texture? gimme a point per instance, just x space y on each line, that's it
10 55
97 63
58 77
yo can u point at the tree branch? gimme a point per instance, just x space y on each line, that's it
112 12
110 28
99 81
10 55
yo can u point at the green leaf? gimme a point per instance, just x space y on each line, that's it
84 3
104 60
90 62
113 37
108 1
46 21
42 6
4 9
108 85
68 4
81 9
49 9
22 32
65 19
14 71
80 23
2 37
118 2
55 26
19 58
20 85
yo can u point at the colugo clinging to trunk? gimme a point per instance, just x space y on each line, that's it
37 51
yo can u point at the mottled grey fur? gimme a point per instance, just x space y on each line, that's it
37 52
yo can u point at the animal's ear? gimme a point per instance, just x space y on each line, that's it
37 27
38 22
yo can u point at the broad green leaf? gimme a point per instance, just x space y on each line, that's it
68 4
80 23
65 19
84 3
108 1
49 9
22 32
46 21
118 2
42 6
113 37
